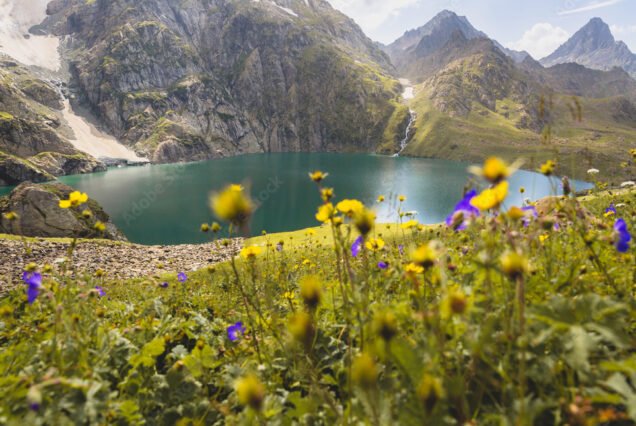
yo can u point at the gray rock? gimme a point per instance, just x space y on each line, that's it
37 206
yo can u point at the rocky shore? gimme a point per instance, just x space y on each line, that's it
117 260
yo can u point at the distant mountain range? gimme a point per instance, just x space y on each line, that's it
594 46
474 96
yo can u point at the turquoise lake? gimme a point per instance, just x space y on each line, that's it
166 204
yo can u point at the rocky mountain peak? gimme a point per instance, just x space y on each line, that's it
594 46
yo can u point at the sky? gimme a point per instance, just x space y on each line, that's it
537 26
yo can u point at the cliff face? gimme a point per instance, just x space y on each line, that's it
31 130
199 79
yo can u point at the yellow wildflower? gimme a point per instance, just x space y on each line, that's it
543 237
318 176
350 207
250 391
100 226
515 213
232 204
425 255
215 227
251 252
364 220
326 194
375 244
205 227
430 391
385 325
380 199
413 269
75 199
410 224
10 216
301 328
311 291
325 213
364 371
492 197
514 264
494 170
401 198
547 168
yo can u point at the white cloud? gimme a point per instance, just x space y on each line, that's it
620 29
541 40
371 14
590 6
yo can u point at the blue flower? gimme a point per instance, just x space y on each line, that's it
383 265
182 277
624 237
356 246
234 332
463 212
401 249
34 282
610 211
163 285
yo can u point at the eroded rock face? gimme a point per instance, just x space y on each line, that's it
40 215
14 170
200 79
59 164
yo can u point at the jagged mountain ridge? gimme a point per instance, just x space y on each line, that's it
413 54
594 46
208 78
474 100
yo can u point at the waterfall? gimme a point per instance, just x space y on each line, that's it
404 142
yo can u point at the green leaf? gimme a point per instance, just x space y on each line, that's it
148 353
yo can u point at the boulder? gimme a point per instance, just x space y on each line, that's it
37 206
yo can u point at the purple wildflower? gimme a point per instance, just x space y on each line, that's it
624 237
34 406
279 247
34 282
611 210
235 331
383 265
356 246
163 285
100 291
401 249
182 277
530 211
463 212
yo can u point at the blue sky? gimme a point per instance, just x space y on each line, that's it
538 26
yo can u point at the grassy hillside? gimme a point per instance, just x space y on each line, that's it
456 121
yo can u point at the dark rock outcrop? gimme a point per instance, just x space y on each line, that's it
37 206
59 164
14 170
